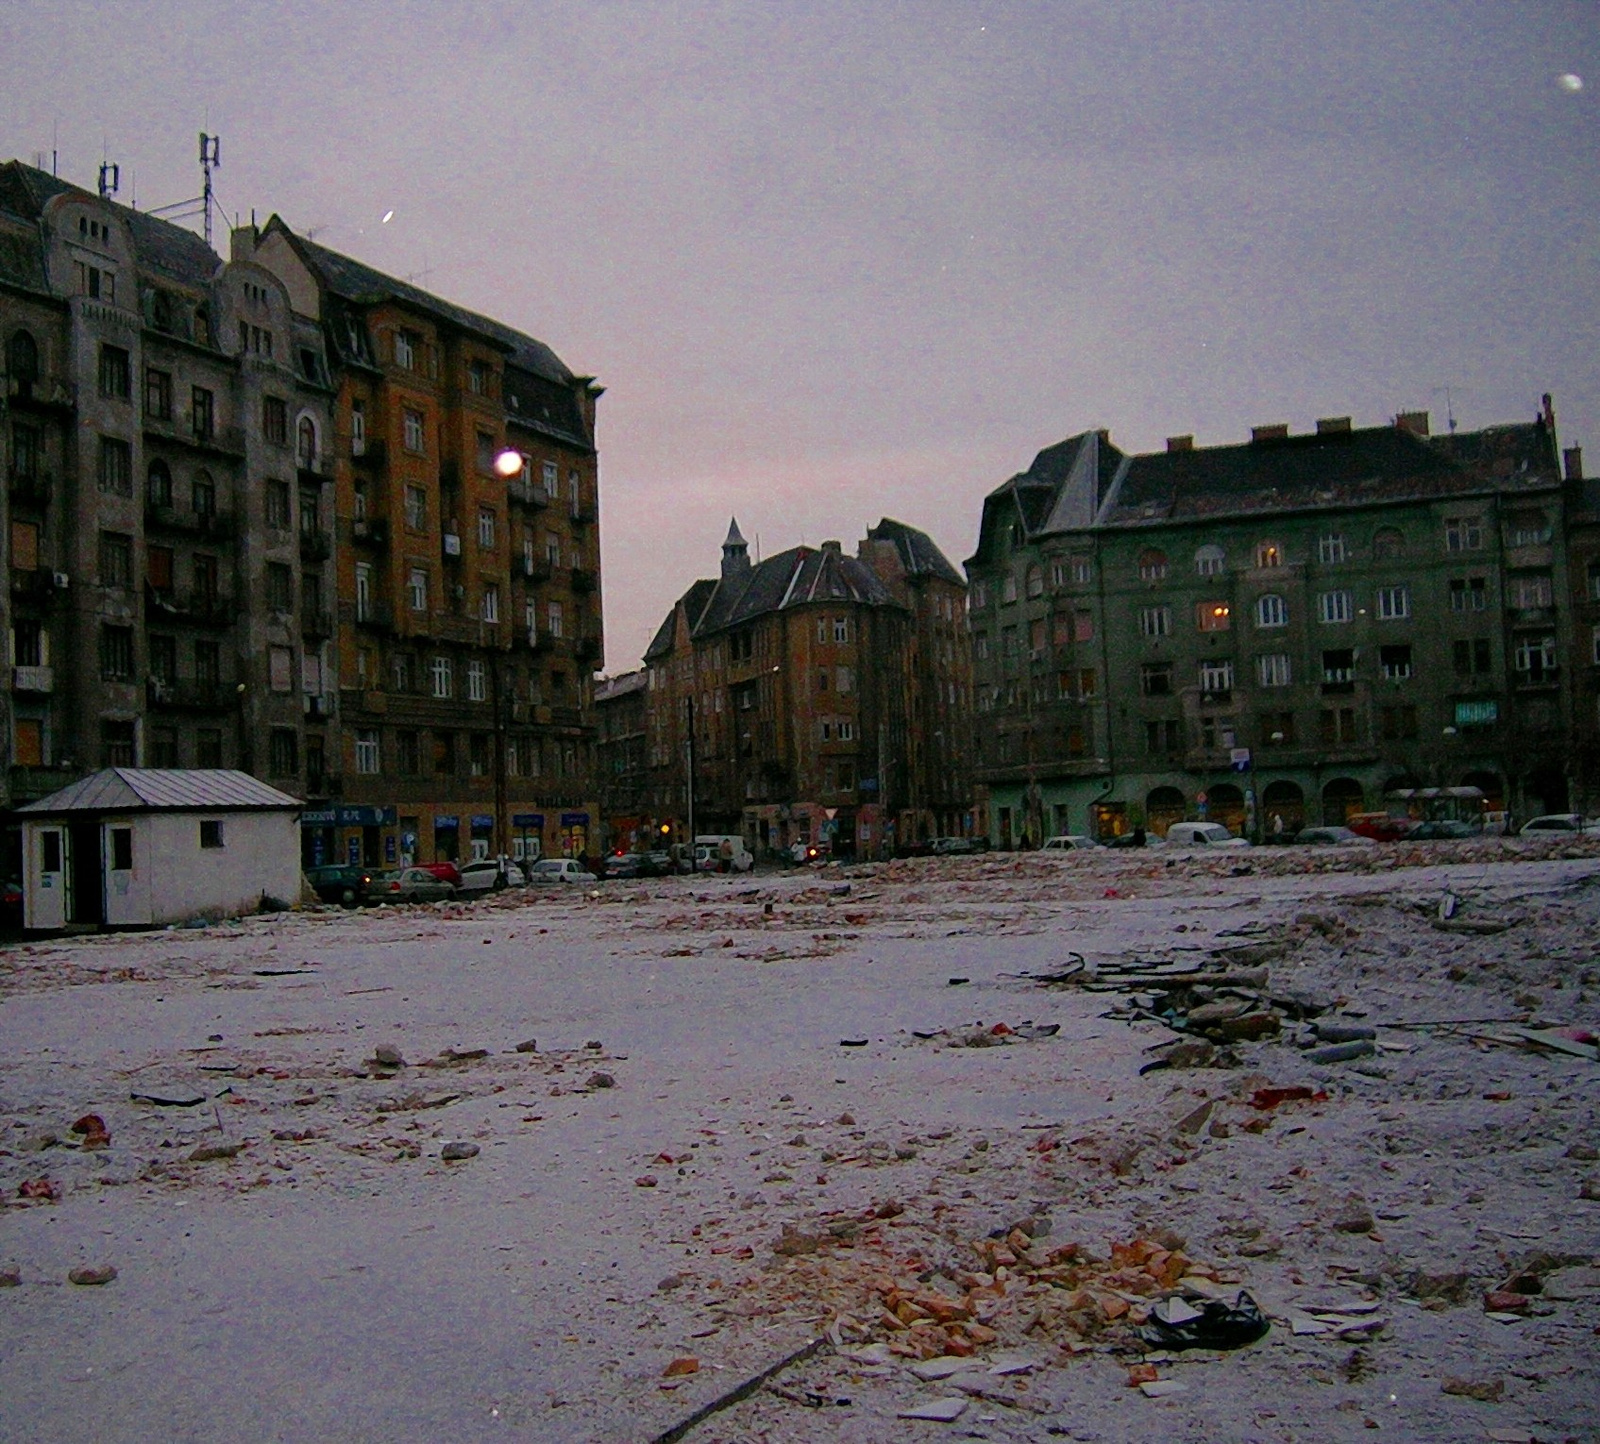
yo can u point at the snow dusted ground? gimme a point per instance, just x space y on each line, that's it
690 1165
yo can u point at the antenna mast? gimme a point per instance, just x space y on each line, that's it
110 179
210 159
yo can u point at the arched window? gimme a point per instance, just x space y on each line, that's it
22 356
1163 807
1208 560
1340 797
158 484
1269 554
307 442
1387 542
1152 566
1272 611
204 494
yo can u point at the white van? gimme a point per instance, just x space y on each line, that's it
1203 834
714 849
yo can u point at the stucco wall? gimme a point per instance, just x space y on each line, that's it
260 855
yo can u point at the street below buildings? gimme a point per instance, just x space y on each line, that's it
703 1123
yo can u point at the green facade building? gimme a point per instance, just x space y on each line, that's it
1271 634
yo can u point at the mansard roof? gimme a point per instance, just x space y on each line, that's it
919 556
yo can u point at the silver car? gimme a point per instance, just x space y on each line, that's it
486 875
408 884
558 870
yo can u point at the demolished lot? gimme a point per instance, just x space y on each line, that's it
1011 1147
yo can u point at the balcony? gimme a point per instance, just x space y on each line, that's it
314 547
228 440
372 531
316 622
583 579
375 616
535 569
587 649
41 393
199 605
453 627
38 585
30 488
318 706
566 717
187 695
161 517
368 451
525 493
317 470
526 639
582 516
33 679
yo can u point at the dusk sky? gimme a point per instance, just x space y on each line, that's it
838 261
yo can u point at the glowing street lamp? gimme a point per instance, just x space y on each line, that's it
508 463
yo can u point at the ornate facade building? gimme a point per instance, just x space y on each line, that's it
814 697
1287 629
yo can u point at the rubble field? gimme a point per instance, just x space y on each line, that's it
1267 1145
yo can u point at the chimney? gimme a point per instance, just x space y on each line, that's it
1278 431
1332 425
1180 443
242 242
1416 422
832 546
1572 458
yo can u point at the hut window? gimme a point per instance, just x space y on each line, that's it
211 832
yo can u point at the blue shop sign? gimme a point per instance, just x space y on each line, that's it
527 819
482 819
574 819
444 822
349 817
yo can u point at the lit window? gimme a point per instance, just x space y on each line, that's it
1269 554
1213 616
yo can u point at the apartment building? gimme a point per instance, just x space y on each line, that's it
792 699
168 519
1275 632
466 594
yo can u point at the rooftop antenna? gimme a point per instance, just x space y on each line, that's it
110 179
210 159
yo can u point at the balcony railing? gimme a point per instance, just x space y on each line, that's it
526 493
583 579
32 679
30 488
38 585
368 451
314 547
315 622
317 469
226 439
199 605
375 616
41 393
535 569
184 694
373 531
163 517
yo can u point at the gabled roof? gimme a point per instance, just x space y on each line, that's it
155 789
918 554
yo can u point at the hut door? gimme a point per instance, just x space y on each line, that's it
86 891
124 903
47 898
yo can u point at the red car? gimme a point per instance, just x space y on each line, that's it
1379 826
444 871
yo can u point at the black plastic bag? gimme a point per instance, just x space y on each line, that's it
1219 1325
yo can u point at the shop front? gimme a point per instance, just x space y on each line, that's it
361 836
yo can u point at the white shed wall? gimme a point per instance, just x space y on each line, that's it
260 856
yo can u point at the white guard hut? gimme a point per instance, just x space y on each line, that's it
139 847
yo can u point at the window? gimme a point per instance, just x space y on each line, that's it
1213 616
478 754
1008 588
116 559
163 753
978 597
117 747
1528 530
1530 591
22 356
275 420
116 653
364 591
1534 657
1035 581
416 505
417 589
554 619
27 451
1594 645
1216 677
358 427
1152 566
844 680
1036 636
275 498
1083 626
1398 723
477 687
491 602
1269 554
478 378
1477 714
28 643
1387 542
1337 725
405 349
1463 533
441 673
1209 561
1395 662
1274 670
211 834
116 466
280 587
306 443
203 413
414 436
116 375
309 522
208 747
552 480
1471 656
1155 679
1330 548
283 752
207 664
1272 611
1339 667
486 528
280 669
205 579
1155 621
402 672
980 646
841 630
444 753
24 546
1277 729
99 283
1468 594
203 494
1163 737
368 758
1081 570
158 484
408 753
1088 683
1394 603
1334 607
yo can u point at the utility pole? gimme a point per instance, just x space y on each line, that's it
502 842
690 781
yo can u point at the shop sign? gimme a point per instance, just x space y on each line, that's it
527 819
574 819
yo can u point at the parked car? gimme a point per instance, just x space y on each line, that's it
10 904
1069 842
724 852
1379 826
558 870
408 884
339 882
627 864
952 846
1332 837
1552 822
1203 834
1445 829
491 873
444 871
